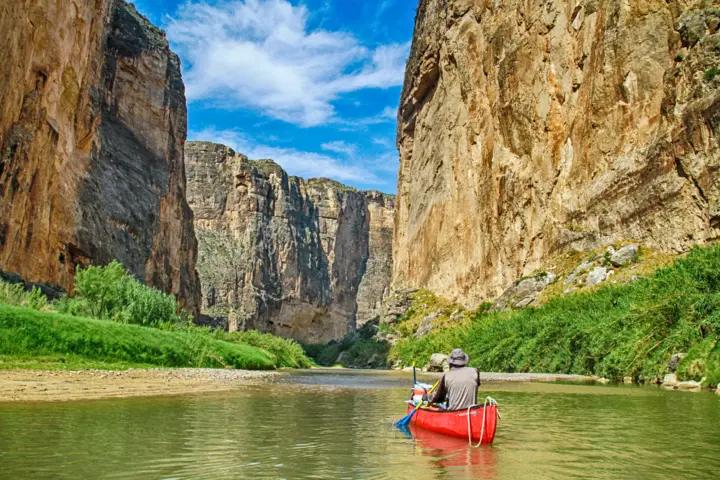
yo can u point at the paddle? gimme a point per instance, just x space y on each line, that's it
404 422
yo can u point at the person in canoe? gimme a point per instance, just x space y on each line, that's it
458 387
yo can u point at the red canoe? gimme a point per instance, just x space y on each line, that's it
455 422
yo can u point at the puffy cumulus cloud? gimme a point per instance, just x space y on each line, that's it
261 54
297 162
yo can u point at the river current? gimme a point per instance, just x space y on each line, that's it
338 425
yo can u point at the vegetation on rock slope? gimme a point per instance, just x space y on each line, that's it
357 350
613 331
93 328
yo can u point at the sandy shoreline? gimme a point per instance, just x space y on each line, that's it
61 386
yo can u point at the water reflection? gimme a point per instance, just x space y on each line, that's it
453 456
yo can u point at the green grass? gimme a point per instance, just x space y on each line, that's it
31 333
53 334
615 331
63 362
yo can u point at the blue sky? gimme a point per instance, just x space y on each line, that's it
312 84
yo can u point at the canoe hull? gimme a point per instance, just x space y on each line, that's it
455 423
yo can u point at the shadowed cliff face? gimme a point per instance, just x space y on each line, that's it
526 128
306 259
92 127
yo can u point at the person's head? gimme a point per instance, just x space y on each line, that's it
458 358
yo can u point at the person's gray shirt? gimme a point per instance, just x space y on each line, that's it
459 387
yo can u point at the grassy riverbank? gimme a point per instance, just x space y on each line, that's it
26 332
613 331
114 322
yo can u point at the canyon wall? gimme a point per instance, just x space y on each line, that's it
531 127
305 259
92 127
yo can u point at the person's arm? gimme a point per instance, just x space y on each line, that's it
439 394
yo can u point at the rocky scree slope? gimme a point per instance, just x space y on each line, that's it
305 259
529 128
92 126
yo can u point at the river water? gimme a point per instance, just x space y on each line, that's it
339 425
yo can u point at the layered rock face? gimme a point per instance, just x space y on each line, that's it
526 128
92 127
305 259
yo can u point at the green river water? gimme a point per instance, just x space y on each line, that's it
339 425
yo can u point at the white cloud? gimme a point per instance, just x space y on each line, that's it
388 115
340 147
295 162
383 142
260 54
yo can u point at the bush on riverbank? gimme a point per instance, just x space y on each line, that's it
288 353
110 293
615 331
25 332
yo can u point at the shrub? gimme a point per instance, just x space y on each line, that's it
711 73
15 294
287 353
110 293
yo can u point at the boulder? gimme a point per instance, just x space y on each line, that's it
438 363
583 268
718 389
674 362
670 380
426 326
628 380
689 386
341 358
596 276
386 337
524 292
691 27
625 256
396 306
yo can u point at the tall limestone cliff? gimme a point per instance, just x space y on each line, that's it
526 128
306 259
92 127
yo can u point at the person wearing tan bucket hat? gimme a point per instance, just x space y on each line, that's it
459 386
